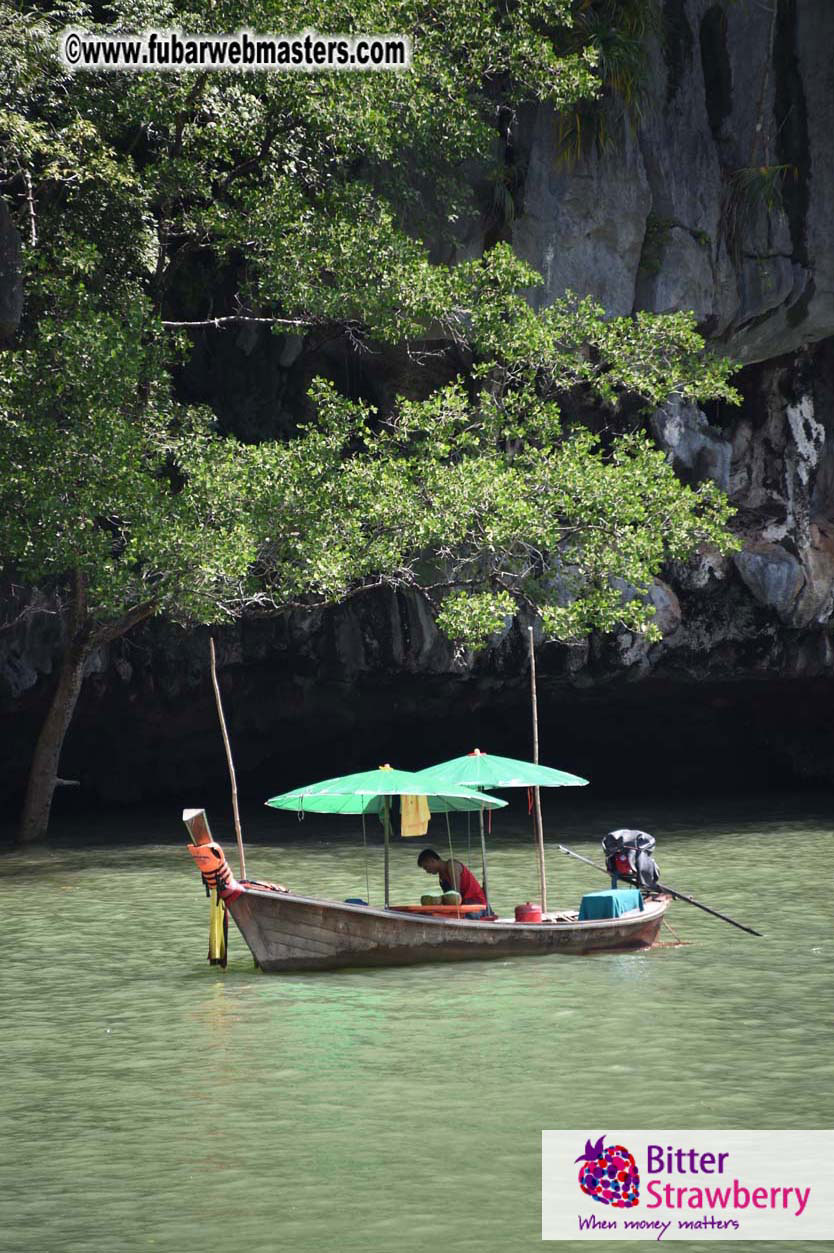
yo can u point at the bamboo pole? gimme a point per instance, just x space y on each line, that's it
537 798
228 747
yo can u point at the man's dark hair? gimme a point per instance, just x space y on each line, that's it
426 854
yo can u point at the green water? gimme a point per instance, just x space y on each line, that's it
150 1102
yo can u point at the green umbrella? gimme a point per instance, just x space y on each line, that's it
370 791
366 793
479 769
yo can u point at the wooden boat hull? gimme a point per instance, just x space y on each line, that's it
289 932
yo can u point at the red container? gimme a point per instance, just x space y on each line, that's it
528 913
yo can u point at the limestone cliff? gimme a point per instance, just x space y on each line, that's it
720 200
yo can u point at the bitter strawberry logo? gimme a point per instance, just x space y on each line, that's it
609 1175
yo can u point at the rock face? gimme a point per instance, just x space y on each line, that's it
570 230
719 200
773 576
697 450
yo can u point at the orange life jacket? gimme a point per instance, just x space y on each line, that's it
214 869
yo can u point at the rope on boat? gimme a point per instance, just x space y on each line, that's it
674 932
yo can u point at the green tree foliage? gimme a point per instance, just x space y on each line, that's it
484 498
618 33
149 202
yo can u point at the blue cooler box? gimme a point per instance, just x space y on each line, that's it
609 904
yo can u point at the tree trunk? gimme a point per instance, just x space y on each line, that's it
43 772
85 638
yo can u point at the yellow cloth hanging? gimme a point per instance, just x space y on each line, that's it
218 925
414 815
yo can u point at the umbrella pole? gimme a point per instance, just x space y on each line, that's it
386 826
455 886
483 858
537 798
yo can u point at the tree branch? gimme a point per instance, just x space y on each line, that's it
183 115
78 604
106 634
250 162
30 201
242 319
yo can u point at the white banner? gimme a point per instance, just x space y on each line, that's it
687 1185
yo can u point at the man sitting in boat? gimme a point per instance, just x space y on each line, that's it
454 877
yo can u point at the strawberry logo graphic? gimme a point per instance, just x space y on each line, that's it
609 1175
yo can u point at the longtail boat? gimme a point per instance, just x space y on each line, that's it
286 931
